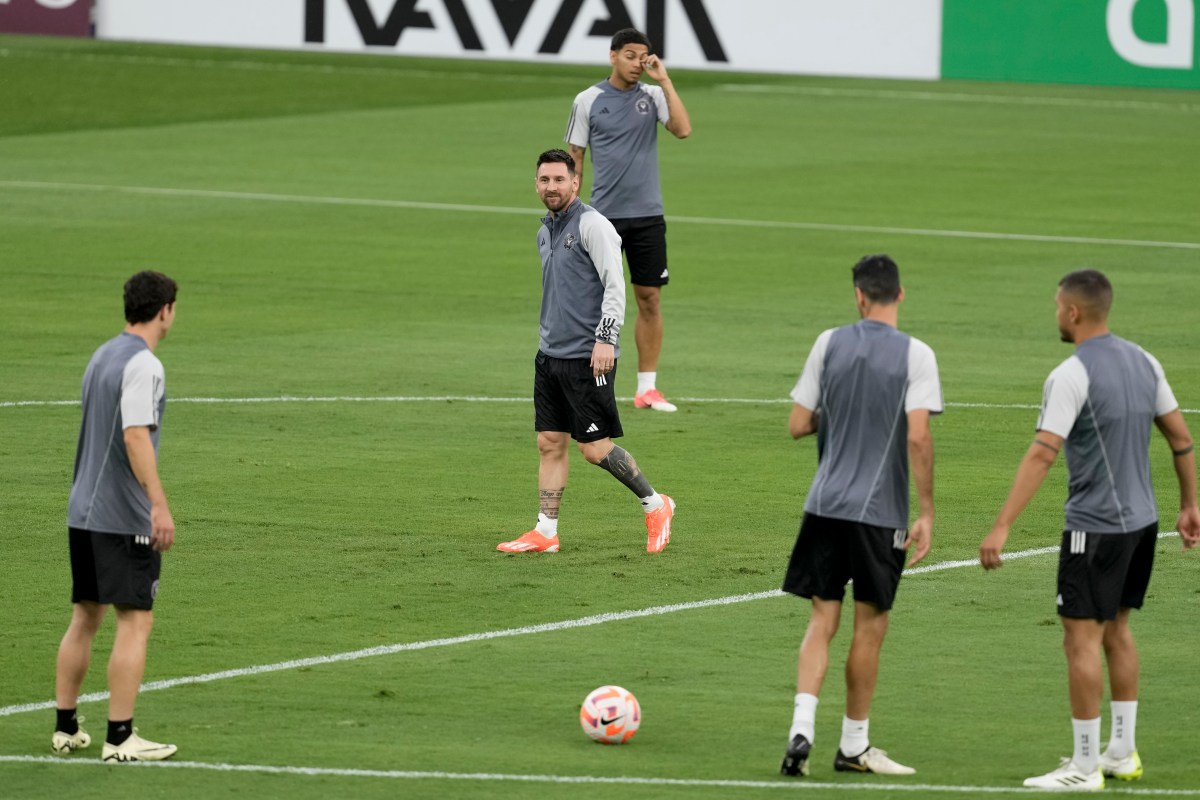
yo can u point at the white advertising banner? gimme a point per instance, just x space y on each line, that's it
884 38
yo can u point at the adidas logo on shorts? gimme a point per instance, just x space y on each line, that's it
592 428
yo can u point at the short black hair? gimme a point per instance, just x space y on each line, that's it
628 36
878 278
557 157
145 295
1092 287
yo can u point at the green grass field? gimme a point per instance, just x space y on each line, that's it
361 230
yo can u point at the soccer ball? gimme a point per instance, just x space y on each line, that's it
610 715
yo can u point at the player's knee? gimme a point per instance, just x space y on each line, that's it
595 452
552 444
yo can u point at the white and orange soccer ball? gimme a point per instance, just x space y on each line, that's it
610 715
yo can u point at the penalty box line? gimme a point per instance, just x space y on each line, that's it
547 627
494 777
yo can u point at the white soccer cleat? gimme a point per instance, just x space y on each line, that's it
135 748
871 760
1068 778
1128 768
64 743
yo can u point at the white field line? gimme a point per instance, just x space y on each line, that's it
548 627
962 97
533 212
492 777
451 398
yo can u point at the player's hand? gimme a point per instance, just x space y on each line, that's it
920 538
162 528
1188 526
604 359
654 67
990 547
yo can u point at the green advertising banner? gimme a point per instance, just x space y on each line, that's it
1109 42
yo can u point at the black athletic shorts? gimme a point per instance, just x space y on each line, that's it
114 568
567 397
830 552
1101 573
644 240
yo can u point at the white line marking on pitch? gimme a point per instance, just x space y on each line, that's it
547 627
960 97
531 212
493 777
473 399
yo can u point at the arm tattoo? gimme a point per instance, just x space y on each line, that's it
1046 445
1184 451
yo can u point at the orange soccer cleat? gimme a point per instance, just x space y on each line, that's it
658 526
531 542
652 398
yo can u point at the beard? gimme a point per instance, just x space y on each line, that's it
555 203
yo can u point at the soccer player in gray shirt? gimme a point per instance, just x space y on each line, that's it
583 306
118 520
618 119
867 391
1099 405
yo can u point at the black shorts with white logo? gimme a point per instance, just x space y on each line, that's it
113 568
830 552
1101 573
644 240
568 398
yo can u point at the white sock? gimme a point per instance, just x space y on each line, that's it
804 717
1124 720
652 503
854 737
1087 740
547 527
646 381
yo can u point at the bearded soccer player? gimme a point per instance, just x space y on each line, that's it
1099 406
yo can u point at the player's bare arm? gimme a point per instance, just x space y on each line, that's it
802 422
920 459
577 154
1032 471
144 464
1183 452
679 124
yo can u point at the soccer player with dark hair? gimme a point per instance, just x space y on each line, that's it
618 119
867 391
1099 406
583 306
119 521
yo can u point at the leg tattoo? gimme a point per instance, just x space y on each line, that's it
548 502
621 464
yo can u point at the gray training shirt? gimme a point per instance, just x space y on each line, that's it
864 379
621 129
1102 401
123 387
583 287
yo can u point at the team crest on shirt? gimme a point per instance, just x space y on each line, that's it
642 106
569 241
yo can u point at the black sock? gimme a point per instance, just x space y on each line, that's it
625 469
119 731
67 721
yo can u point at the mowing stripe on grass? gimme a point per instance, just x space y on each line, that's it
403 70
547 627
532 212
492 777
